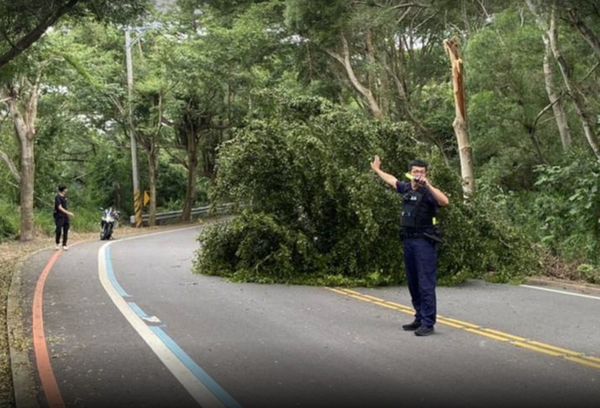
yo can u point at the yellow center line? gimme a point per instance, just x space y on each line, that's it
508 336
352 291
373 298
557 349
497 335
337 291
460 322
538 349
490 335
399 306
456 326
589 362
387 306
387 303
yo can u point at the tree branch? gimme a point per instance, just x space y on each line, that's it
176 158
546 109
36 33
32 104
403 16
364 91
587 34
72 159
397 6
11 166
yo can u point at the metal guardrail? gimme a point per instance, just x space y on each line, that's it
172 216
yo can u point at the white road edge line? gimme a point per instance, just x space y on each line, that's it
152 234
189 381
561 292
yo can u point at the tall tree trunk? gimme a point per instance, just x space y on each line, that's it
152 176
27 183
555 100
191 192
460 121
24 113
587 120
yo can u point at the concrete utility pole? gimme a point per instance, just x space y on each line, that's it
129 43
137 199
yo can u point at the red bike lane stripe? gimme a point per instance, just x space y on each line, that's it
40 346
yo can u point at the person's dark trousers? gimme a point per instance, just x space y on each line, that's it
420 259
62 228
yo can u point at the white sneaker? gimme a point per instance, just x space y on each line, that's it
57 247
65 248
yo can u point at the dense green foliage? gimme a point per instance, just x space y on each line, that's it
568 210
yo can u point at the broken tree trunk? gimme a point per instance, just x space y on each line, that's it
460 121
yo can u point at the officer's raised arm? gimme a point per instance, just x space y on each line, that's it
388 178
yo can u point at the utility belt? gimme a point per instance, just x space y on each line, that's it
432 234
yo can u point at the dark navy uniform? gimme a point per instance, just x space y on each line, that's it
420 238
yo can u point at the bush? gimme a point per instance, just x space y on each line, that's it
255 246
9 221
481 241
567 207
589 273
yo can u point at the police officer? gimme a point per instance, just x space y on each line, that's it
421 201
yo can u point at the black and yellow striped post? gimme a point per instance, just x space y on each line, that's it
137 206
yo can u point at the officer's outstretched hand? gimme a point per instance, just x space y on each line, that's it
376 164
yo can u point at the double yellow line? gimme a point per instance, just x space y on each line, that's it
516 341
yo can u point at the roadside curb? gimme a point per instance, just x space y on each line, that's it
585 288
25 387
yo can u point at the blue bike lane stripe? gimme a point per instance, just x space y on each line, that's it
161 343
111 274
138 310
198 372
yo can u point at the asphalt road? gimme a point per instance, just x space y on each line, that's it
142 330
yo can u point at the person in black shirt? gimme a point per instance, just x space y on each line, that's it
61 217
421 201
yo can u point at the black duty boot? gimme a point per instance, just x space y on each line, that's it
411 326
424 331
